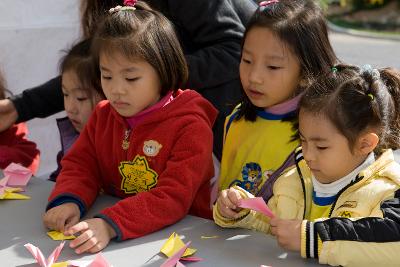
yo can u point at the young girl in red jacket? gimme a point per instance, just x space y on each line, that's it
14 146
149 143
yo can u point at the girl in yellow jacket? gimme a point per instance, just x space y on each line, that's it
341 201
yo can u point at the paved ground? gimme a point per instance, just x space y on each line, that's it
363 50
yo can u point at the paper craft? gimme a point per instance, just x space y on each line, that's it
56 235
99 261
174 259
51 260
257 204
7 192
18 175
174 244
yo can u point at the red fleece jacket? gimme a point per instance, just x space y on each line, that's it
164 174
15 147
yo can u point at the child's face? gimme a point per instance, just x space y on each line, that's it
269 71
77 102
325 149
130 86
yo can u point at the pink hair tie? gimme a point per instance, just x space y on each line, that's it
267 3
130 2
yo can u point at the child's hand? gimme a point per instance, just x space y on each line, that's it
95 234
287 233
228 202
61 217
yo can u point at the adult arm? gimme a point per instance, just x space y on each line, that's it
39 102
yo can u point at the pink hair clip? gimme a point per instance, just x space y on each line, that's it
128 5
130 2
267 3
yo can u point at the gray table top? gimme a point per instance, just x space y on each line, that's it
21 223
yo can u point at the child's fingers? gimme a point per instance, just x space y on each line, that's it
234 197
227 212
79 227
225 201
71 222
60 222
88 244
82 238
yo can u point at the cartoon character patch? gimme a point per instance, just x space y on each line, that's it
346 214
137 176
151 148
252 178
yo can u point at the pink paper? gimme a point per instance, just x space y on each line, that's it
18 175
38 255
257 204
99 261
191 259
174 260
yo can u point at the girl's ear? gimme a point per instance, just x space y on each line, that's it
366 143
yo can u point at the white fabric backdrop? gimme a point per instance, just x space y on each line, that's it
33 34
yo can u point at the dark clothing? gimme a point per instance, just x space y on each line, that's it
210 33
68 136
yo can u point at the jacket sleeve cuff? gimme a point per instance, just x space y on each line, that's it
112 224
311 243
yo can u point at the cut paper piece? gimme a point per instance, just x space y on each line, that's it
174 259
192 259
209 237
18 175
58 236
98 261
265 266
257 204
11 193
174 244
51 260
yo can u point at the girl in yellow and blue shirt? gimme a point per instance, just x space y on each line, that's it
279 59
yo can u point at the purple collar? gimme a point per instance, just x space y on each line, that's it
285 107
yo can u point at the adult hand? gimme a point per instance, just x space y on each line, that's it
287 233
94 235
62 217
227 203
8 114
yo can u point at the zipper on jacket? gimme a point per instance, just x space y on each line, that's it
125 141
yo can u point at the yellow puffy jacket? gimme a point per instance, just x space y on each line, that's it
363 228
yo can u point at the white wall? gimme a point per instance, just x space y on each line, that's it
33 34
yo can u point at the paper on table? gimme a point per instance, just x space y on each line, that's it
257 204
174 259
18 175
174 244
38 255
98 261
56 235
10 192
